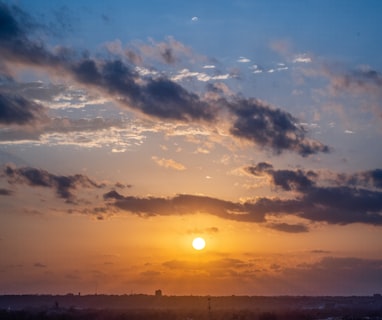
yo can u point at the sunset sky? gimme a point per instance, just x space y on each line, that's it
128 128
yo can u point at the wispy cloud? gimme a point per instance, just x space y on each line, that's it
360 80
243 60
200 76
169 51
302 58
169 163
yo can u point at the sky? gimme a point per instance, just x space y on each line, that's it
128 128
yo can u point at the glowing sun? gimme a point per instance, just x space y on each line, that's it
198 243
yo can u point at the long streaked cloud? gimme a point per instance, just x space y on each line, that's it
51 96
118 135
345 199
200 76
355 198
157 97
63 186
185 204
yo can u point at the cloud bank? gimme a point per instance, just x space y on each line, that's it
345 199
342 199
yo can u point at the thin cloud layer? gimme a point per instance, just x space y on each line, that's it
157 97
361 80
339 275
168 163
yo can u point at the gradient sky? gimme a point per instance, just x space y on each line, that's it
127 128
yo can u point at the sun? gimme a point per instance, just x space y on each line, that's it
198 243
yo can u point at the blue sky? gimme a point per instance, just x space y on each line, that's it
135 126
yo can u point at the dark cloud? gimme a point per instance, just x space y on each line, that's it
290 228
186 204
14 22
260 168
286 179
166 99
15 45
122 186
331 203
5 192
271 128
161 98
375 176
15 109
62 185
113 195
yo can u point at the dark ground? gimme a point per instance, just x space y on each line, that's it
139 307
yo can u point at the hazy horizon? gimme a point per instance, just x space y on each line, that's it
128 129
